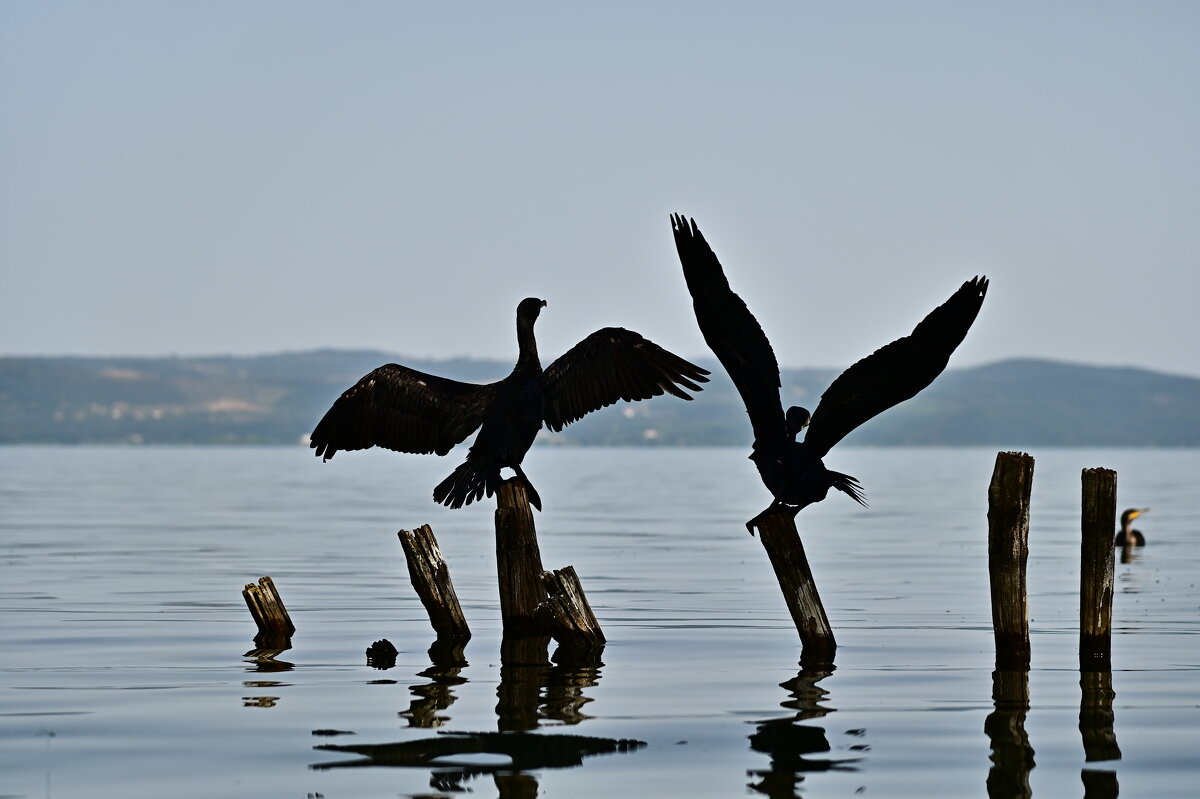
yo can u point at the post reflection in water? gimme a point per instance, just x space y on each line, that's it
1012 755
265 659
446 655
532 690
789 744
1096 728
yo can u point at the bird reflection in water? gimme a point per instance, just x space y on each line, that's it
534 690
790 745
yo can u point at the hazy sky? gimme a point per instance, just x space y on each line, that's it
250 177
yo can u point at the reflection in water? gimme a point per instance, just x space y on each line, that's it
460 755
1012 755
1096 728
788 744
264 660
532 690
448 660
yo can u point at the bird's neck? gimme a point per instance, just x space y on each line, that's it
527 345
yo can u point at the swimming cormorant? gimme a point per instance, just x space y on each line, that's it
793 470
1127 536
410 411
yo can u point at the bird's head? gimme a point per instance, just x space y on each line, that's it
529 308
1132 514
795 420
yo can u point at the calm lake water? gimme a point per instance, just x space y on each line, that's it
123 635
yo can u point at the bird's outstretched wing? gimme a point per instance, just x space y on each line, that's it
609 365
403 410
896 371
733 334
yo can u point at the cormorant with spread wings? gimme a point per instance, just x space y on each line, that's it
410 411
793 470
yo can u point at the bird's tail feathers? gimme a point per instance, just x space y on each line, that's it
849 485
467 483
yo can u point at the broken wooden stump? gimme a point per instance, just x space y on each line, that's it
1096 571
779 537
566 613
274 623
1008 554
518 561
431 578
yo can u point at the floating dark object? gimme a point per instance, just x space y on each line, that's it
382 654
793 470
1127 536
409 411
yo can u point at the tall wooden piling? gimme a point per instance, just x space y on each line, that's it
266 607
431 578
779 537
518 561
1096 572
1008 553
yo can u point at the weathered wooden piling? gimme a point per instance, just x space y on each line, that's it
266 606
566 613
518 561
779 537
431 578
1096 571
1008 553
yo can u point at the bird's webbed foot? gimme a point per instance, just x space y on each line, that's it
775 507
530 492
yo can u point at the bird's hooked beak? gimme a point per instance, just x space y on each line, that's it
1138 512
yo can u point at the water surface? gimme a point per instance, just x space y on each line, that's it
123 634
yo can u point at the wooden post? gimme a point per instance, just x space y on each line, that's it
567 615
1096 572
782 542
518 561
1008 552
431 578
268 611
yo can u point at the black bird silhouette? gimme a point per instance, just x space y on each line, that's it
1127 536
410 411
793 470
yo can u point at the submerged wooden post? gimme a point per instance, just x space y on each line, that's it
1008 553
566 614
268 611
782 542
518 561
431 578
1096 571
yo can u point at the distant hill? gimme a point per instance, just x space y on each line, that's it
276 399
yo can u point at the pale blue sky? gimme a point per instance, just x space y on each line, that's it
249 177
